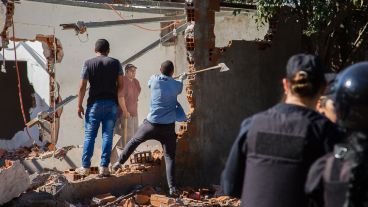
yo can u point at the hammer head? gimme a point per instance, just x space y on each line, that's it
223 67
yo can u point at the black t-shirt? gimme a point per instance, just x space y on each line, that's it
285 140
102 73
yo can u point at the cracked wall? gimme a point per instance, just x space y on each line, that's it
220 101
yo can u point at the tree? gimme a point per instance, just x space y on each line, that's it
336 30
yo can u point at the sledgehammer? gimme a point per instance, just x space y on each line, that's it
221 66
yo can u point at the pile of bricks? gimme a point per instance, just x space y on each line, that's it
71 175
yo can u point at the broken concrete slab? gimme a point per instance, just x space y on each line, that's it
14 180
72 159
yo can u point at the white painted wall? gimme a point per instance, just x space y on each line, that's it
240 27
33 18
32 53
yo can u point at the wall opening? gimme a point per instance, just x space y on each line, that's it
11 119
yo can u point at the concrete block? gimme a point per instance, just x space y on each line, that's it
14 180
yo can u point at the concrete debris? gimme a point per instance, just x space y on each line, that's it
147 196
54 184
72 175
35 151
81 190
134 168
14 180
39 179
102 199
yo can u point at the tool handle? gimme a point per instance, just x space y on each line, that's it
200 71
125 131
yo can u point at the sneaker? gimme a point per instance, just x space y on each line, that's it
103 171
83 171
116 166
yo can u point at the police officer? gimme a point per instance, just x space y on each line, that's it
269 161
343 174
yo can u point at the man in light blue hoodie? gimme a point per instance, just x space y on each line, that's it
160 122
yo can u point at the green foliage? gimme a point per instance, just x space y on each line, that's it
334 28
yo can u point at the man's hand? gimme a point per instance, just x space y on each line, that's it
183 76
126 114
80 111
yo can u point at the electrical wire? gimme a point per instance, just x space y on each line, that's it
19 83
141 27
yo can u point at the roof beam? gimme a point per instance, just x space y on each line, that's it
122 22
121 7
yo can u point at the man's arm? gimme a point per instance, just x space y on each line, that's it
121 98
181 78
314 184
139 87
232 177
81 94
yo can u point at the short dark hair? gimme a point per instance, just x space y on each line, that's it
167 68
102 46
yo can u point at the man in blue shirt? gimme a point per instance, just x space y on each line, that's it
160 123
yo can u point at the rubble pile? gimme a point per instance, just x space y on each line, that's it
14 180
35 151
149 196
52 185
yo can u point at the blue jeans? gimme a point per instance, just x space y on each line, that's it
101 111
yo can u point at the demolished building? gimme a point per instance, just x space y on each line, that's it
50 59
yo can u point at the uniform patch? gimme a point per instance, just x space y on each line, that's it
280 145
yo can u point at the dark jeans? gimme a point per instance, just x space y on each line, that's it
165 134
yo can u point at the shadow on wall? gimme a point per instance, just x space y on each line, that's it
223 100
11 119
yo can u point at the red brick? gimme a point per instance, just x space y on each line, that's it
161 201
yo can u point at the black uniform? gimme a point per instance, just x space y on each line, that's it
270 158
330 176
341 178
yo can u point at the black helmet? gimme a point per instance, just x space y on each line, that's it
351 97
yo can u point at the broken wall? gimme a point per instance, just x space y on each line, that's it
35 88
223 100
125 40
